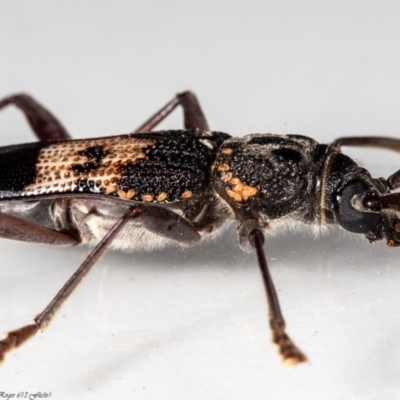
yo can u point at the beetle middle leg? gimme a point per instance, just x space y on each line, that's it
161 221
192 113
251 236
45 125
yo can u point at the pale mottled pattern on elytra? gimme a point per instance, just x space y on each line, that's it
54 172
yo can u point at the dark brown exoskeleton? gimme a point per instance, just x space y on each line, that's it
147 189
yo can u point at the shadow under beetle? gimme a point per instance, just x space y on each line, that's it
146 189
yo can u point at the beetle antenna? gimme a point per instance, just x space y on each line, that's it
390 201
288 350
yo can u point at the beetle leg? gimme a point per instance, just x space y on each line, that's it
19 229
45 125
288 350
161 221
16 338
290 353
192 113
169 224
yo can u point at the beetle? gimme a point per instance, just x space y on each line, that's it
147 189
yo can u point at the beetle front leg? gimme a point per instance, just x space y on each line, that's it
45 125
192 113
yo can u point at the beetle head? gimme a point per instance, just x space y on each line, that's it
361 206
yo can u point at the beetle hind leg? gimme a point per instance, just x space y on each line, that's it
45 125
159 220
15 228
16 338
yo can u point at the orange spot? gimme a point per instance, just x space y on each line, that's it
234 195
122 194
130 193
235 181
239 187
249 191
162 196
126 195
226 151
223 167
240 191
147 197
227 177
186 194
110 189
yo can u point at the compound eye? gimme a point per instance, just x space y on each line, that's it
351 219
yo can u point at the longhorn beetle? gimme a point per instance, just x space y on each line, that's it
146 189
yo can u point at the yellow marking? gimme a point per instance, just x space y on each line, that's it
147 197
238 187
249 191
162 196
240 191
187 194
234 195
121 193
130 193
223 167
125 195
227 177
226 151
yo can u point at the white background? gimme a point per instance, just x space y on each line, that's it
192 324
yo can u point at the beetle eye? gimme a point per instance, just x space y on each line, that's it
351 219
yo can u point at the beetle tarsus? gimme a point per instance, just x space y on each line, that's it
288 350
16 338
